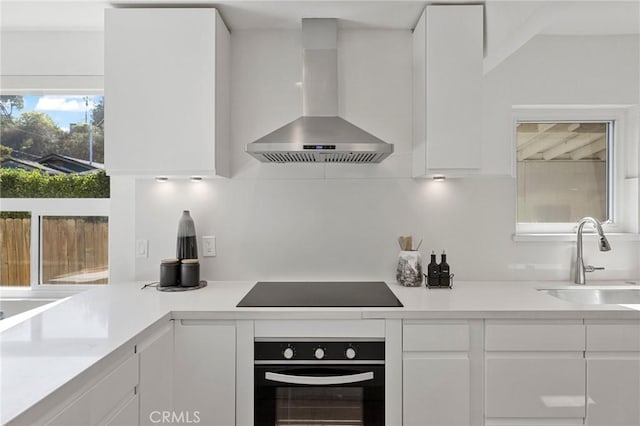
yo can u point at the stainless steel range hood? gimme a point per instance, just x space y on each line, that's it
319 135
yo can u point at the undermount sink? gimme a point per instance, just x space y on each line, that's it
594 296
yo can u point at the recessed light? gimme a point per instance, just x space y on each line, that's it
196 178
161 178
439 178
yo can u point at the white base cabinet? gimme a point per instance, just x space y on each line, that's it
205 372
534 371
613 373
436 373
110 400
155 390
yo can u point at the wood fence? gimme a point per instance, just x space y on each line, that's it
15 246
74 250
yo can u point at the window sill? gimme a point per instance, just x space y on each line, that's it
571 237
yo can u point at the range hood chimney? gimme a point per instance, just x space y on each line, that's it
319 136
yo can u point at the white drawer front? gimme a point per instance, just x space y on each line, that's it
435 337
534 337
99 401
320 328
613 337
127 415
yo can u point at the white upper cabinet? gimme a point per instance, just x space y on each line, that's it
447 91
166 92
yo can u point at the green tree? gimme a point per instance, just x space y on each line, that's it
5 152
76 143
35 133
97 115
11 103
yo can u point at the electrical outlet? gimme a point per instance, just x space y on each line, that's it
209 246
142 248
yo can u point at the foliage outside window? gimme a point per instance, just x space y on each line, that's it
16 183
563 171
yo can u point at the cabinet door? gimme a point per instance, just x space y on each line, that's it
613 387
447 86
613 373
435 391
205 366
156 375
437 373
164 113
535 371
538 387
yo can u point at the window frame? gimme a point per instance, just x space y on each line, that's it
617 205
73 85
40 207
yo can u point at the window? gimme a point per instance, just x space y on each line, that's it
563 171
55 192
15 248
570 162
74 249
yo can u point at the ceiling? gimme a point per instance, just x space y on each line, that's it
509 24
503 18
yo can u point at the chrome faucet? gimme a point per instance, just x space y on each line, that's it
603 245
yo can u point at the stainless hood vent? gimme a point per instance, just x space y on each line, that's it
319 136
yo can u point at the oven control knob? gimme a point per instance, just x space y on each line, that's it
288 353
350 353
319 353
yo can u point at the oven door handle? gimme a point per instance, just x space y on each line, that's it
318 380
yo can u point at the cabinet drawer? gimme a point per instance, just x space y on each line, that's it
613 337
320 328
535 388
435 337
534 337
127 415
98 402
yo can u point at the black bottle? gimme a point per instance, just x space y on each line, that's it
444 271
433 271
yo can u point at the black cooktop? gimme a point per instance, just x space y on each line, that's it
350 294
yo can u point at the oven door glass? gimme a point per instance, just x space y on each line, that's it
323 395
319 406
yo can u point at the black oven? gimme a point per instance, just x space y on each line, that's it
319 383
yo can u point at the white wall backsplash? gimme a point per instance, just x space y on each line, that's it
319 222
348 228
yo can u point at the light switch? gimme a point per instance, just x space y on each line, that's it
208 246
142 248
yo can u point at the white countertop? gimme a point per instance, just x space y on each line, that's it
46 351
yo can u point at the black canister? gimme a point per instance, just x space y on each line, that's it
189 272
169 272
